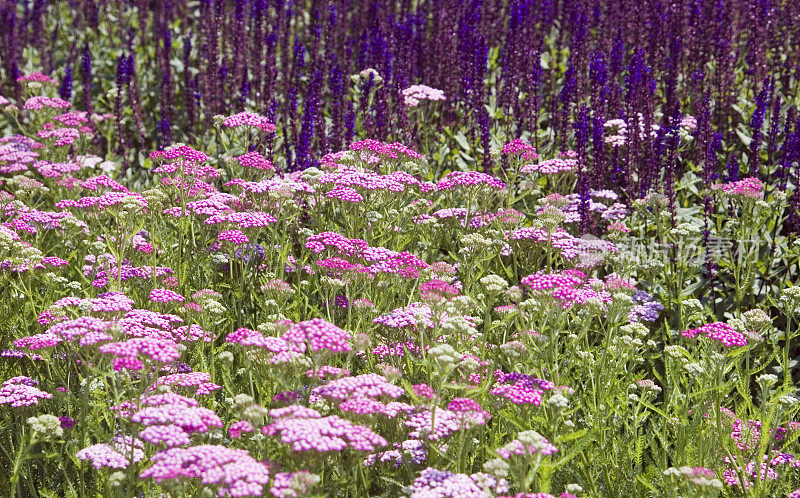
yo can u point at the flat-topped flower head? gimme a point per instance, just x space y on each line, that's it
165 296
469 412
168 435
240 427
179 152
234 471
374 150
293 484
40 102
254 160
21 391
366 385
521 149
519 388
37 78
236 237
116 456
435 483
718 331
413 95
130 353
199 382
319 334
465 179
324 434
249 119
564 163
527 443
750 188
64 136
437 290
189 419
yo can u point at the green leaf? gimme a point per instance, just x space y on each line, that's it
744 138
462 141
564 438
642 479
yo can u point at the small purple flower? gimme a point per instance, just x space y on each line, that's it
66 422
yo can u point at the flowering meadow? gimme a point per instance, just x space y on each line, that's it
498 248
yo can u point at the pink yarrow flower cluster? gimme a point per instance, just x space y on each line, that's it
293 484
21 391
233 471
437 290
104 201
367 385
236 237
179 152
116 455
520 389
520 148
40 102
165 296
64 136
379 259
319 334
751 188
249 119
565 162
316 334
173 410
385 150
254 160
570 287
37 78
311 432
527 443
718 331
435 483
200 381
462 179
240 427
153 349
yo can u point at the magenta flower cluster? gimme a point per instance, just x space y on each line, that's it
21 391
749 188
249 119
718 331
323 434
232 471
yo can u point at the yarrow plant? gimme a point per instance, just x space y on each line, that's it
420 248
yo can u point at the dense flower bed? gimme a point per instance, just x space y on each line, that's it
576 300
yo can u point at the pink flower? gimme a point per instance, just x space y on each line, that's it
324 434
366 385
254 160
249 119
183 152
36 77
105 455
20 391
234 236
319 334
462 179
168 435
165 296
39 102
240 427
749 187
718 331
233 470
